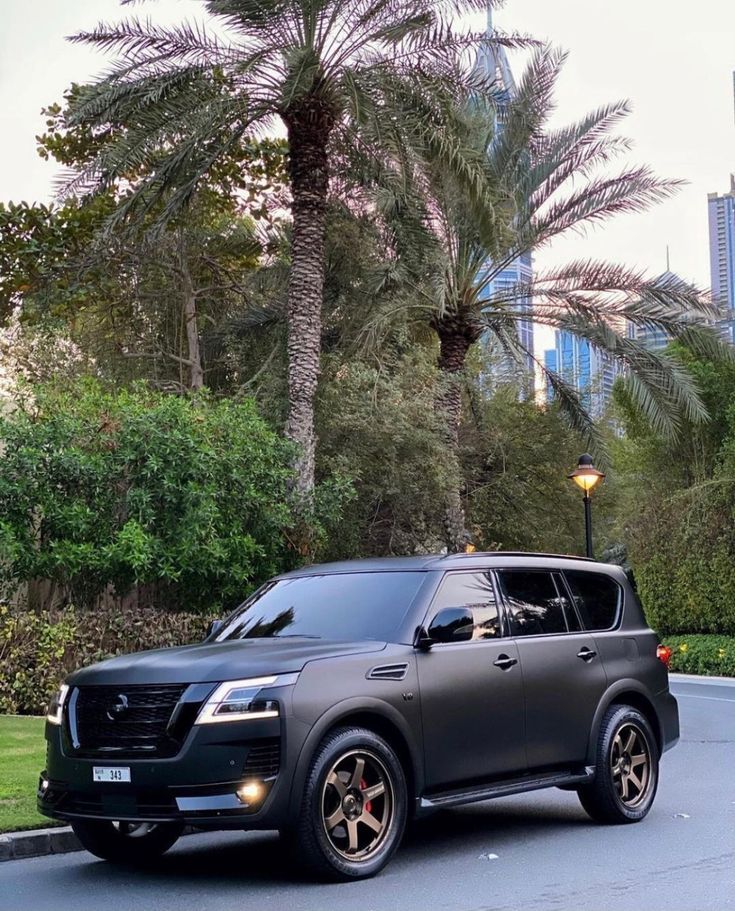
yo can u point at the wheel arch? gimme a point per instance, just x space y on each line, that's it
375 715
625 692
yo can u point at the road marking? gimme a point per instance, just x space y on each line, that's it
711 698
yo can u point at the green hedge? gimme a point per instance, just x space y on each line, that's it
684 563
702 654
104 492
39 649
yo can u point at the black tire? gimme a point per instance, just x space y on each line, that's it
333 838
626 768
126 843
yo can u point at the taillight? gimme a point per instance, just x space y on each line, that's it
663 653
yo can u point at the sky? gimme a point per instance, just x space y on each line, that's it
674 61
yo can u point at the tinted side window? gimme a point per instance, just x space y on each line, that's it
475 592
533 602
596 597
573 624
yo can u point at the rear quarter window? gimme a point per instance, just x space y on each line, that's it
597 598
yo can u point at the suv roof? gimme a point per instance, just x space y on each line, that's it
451 561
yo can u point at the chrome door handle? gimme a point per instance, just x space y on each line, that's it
505 662
586 654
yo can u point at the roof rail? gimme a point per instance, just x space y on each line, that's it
519 553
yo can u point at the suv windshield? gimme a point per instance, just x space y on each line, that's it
344 606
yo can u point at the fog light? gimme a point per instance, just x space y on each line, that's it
250 792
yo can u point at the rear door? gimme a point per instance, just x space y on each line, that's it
563 675
471 692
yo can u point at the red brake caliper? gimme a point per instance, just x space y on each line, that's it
369 804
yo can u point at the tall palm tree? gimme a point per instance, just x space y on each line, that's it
330 70
537 184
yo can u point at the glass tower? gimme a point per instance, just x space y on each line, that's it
592 373
721 211
492 62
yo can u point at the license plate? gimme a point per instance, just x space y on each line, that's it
111 773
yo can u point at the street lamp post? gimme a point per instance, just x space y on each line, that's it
587 477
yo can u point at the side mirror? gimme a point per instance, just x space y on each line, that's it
452 624
214 627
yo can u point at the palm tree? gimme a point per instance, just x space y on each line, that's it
334 72
538 184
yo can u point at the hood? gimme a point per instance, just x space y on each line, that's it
216 661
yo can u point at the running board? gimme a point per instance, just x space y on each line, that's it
505 788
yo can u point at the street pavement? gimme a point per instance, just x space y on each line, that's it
535 851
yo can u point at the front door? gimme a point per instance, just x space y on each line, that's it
471 692
563 675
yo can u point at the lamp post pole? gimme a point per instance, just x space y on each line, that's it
587 477
588 523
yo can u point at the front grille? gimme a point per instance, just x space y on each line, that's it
264 759
137 729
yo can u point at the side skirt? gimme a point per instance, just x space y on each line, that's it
457 797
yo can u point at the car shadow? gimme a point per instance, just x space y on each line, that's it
259 858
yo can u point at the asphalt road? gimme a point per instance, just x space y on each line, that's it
549 854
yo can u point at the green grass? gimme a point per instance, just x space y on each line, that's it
22 755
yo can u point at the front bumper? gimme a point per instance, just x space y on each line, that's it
198 786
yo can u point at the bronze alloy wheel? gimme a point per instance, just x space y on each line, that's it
623 787
630 763
357 805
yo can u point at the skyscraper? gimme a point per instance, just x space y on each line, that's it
492 62
589 371
654 337
721 211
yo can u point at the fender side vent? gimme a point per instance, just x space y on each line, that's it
388 672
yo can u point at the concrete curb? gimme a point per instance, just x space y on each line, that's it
701 678
38 843
42 842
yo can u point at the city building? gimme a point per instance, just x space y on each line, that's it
654 337
492 62
721 212
590 372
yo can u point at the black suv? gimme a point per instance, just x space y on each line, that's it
340 700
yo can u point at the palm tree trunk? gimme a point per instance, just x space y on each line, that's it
456 336
308 135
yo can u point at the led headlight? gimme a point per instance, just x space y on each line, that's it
56 706
239 700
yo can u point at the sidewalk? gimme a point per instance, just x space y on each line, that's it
700 678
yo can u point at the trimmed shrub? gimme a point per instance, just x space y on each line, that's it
701 654
38 650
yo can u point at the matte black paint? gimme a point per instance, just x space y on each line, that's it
468 719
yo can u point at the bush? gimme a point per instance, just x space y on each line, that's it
103 492
38 650
698 654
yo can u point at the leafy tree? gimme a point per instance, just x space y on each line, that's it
37 245
184 499
673 502
536 184
363 74
379 431
515 459
138 301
